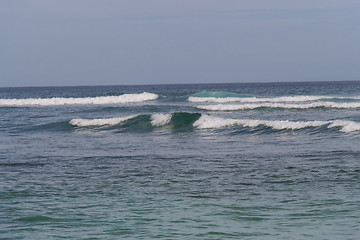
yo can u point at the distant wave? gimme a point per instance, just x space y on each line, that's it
218 94
125 98
210 122
196 99
236 107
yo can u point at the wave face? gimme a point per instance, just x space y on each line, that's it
237 107
210 122
125 98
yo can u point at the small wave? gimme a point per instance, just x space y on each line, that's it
237 107
210 122
125 98
198 99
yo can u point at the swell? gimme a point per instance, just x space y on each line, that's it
173 120
190 121
125 98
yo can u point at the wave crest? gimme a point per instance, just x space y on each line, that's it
79 122
210 122
125 98
174 120
160 119
255 99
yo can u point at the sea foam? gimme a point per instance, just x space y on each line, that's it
260 100
125 98
206 122
79 122
160 119
346 126
210 122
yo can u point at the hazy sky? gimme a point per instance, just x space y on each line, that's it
100 42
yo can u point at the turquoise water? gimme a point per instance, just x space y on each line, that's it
221 161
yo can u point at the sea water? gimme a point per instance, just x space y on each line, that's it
210 161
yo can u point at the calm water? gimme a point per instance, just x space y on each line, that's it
226 161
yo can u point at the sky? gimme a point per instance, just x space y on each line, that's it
126 42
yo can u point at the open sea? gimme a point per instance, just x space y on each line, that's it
207 161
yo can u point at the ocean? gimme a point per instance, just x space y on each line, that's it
201 161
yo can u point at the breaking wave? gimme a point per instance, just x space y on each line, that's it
79 122
125 98
236 107
210 122
190 120
174 120
227 97
160 119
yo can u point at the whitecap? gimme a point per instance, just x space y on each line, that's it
284 99
160 119
125 98
346 126
79 122
210 122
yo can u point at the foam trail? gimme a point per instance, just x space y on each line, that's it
236 107
100 121
207 122
160 119
125 98
256 100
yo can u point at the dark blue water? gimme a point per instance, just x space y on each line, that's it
217 161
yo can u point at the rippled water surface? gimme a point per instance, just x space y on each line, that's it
220 161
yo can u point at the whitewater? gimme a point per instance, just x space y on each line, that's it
125 98
213 122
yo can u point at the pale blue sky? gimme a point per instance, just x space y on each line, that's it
101 42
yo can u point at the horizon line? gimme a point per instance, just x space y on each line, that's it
162 84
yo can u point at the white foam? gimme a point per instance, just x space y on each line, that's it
160 119
99 122
346 126
236 107
257 100
125 98
209 122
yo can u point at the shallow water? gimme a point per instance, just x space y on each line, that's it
170 178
